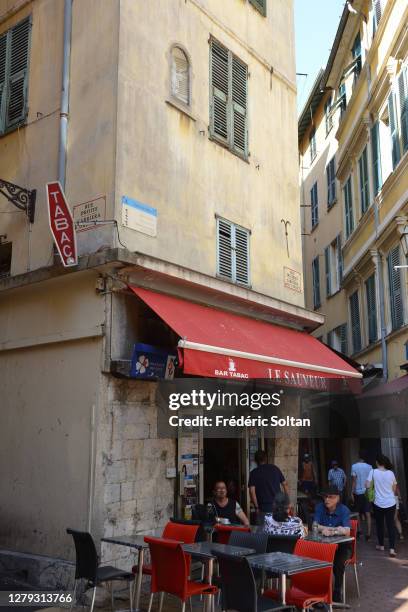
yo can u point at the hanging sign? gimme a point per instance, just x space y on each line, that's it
62 224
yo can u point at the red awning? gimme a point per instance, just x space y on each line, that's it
220 344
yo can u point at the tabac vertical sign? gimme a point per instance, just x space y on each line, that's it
62 224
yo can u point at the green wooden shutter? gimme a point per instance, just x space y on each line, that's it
224 249
403 101
395 287
376 155
3 62
348 207
314 205
219 78
371 309
377 12
316 282
364 184
241 255
18 74
355 322
396 153
343 338
327 270
331 182
239 85
339 259
260 5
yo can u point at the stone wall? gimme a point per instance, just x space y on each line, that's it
134 495
287 446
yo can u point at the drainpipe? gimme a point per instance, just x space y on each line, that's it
384 348
62 153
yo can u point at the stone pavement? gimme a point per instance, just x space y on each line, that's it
383 584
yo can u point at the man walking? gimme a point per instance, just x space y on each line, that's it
265 481
337 478
360 472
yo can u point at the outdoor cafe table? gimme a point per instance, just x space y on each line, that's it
285 564
207 552
137 542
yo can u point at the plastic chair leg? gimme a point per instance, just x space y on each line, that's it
150 602
93 599
183 607
356 576
161 600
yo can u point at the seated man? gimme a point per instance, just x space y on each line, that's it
225 507
333 518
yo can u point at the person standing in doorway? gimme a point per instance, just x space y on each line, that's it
360 472
385 486
307 478
337 478
265 481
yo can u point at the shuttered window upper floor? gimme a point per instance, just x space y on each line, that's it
14 68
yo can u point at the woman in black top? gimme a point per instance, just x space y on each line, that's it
225 507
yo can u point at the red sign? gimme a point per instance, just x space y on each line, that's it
62 224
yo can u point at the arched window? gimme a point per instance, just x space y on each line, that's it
180 75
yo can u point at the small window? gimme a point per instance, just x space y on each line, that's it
337 338
314 205
356 54
342 98
5 259
232 252
364 181
403 105
327 269
260 5
371 300
377 13
376 157
348 207
312 142
331 182
393 123
395 288
14 60
180 76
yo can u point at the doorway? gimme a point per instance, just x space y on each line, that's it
223 461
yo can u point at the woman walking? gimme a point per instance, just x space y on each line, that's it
384 505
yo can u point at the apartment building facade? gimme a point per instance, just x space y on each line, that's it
162 122
366 82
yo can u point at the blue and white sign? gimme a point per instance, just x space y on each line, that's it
138 216
151 362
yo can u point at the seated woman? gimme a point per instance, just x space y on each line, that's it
227 508
280 522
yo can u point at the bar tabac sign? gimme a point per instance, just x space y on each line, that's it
62 224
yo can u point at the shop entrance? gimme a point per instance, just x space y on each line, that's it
223 460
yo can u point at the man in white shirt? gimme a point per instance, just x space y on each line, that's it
360 472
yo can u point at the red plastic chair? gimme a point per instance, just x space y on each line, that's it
312 587
170 573
173 531
224 531
353 559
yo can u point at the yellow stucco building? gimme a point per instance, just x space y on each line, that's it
357 116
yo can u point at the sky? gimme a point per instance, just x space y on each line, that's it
316 23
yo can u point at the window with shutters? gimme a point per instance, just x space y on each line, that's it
316 282
348 207
232 252
377 8
260 5
364 181
393 123
180 77
337 338
339 260
14 60
371 303
228 99
395 288
327 270
376 157
331 182
314 205
312 145
342 99
328 115
356 54
403 107
355 322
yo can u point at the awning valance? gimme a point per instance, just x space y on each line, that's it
221 344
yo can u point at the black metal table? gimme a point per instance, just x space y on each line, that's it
207 552
137 542
285 564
